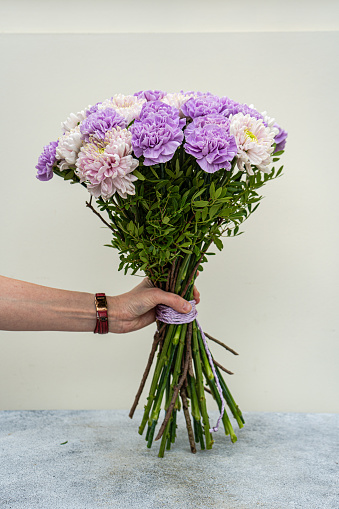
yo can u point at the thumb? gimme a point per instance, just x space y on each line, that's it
172 300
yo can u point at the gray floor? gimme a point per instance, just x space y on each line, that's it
280 461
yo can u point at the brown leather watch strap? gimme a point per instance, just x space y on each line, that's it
102 317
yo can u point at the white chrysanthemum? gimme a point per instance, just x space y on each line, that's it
254 141
74 119
270 121
177 100
68 148
129 106
106 165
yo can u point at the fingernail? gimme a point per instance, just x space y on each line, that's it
187 307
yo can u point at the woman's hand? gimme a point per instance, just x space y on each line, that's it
136 309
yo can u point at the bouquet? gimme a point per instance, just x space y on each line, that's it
171 174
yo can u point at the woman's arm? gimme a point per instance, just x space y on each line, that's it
27 306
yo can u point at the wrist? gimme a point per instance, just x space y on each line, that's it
116 323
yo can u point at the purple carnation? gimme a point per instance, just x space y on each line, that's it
162 109
150 95
156 137
212 146
205 104
46 162
93 109
231 107
97 124
280 138
220 120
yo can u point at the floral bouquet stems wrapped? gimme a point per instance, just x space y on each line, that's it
172 173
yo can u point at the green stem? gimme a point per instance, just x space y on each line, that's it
200 387
201 436
151 434
182 273
162 356
173 426
164 440
162 385
194 399
230 401
225 419
206 363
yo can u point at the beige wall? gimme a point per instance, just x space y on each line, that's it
272 293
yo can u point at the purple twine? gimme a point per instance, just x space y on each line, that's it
168 315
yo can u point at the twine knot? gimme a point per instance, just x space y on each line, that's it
166 314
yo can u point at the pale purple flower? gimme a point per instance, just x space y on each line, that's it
231 107
46 162
98 123
204 104
212 146
163 109
218 119
128 106
177 100
280 138
107 165
93 109
150 95
156 137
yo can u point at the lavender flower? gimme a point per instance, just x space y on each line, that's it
280 138
162 109
46 162
93 109
97 124
212 146
231 107
208 119
150 95
156 137
204 104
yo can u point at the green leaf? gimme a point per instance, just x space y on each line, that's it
139 175
212 191
166 220
197 194
63 443
218 192
213 211
218 243
225 212
200 203
69 175
154 172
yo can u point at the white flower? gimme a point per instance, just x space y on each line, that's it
68 148
74 119
270 121
254 141
177 100
129 106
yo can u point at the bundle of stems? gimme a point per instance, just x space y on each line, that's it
183 374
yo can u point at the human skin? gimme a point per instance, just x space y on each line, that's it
27 306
